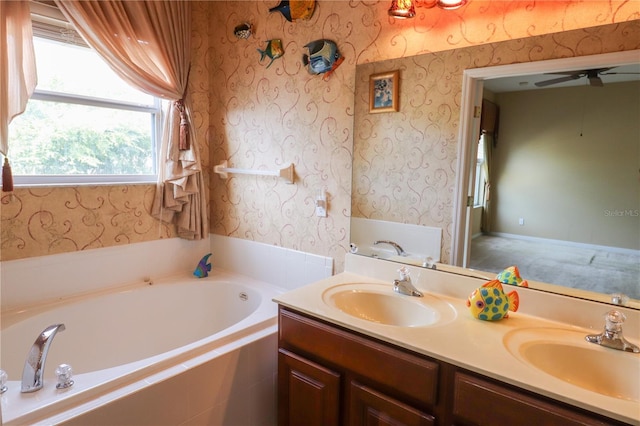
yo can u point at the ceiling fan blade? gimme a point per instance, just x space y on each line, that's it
557 80
620 73
593 77
595 81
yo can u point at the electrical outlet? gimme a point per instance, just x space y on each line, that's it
521 221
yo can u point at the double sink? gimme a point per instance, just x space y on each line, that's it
559 352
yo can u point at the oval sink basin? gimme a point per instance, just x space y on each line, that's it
380 304
565 354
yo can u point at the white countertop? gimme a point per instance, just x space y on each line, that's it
471 343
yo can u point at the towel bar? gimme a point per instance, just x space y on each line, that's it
285 173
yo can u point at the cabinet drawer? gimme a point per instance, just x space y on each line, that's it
370 407
391 370
483 402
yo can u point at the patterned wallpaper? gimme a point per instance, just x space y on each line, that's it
264 118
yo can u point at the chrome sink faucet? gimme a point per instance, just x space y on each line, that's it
396 246
404 284
612 337
34 365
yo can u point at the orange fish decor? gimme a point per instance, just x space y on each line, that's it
295 10
490 303
511 276
273 50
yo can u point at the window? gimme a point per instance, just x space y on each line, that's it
478 195
83 124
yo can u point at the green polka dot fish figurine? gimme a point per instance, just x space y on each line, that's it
511 276
490 303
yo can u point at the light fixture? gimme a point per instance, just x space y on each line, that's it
450 4
407 8
402 9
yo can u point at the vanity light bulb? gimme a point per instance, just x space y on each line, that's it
451 4
402 9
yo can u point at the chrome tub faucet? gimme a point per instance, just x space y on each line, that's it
404 284
396 246
34 365
612 336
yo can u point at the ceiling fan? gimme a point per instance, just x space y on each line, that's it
593 75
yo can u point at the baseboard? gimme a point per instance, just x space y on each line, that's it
565 243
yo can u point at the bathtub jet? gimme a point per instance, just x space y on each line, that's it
34 365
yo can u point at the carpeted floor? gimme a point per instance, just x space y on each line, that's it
585 268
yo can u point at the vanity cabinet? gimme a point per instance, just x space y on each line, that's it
331 376
328 375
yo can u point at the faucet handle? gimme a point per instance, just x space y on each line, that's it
64 372
619 299
614 320
404 273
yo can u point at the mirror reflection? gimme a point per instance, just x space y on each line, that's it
556 182
563 174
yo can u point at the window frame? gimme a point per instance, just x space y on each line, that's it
46 20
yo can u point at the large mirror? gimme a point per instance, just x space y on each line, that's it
571 223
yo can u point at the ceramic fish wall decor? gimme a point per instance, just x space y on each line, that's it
323 57
243 31
295 10
273 51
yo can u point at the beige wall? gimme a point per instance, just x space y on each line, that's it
567 161
263 118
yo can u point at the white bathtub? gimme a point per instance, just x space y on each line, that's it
138 341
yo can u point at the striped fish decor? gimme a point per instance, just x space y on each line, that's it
323 57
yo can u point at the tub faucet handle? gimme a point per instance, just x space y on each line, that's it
64 372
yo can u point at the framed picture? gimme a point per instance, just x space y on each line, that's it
383 92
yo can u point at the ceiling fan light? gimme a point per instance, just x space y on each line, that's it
402 9
451 4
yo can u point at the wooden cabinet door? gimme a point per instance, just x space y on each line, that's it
309 394
482 402
368 407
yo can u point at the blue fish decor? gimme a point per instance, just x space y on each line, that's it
323 57
203 268
490 303
295 10
273 51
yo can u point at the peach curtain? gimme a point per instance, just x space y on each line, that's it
148 43
18 75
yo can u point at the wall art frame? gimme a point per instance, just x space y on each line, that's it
383 92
